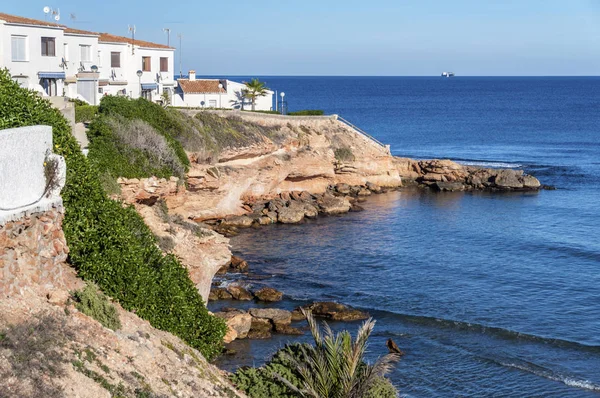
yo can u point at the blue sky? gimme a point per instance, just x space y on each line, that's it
351 37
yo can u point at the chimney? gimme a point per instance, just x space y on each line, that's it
192 74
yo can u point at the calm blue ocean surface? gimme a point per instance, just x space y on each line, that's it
490 295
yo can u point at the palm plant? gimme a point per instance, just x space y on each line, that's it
255 89
334 366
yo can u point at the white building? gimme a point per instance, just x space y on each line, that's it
121 58
59 61
216 93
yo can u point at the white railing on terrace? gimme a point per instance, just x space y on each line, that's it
361 131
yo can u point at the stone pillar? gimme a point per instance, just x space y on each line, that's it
32 243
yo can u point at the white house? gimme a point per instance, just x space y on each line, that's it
120 59
32 51
60 61
216 93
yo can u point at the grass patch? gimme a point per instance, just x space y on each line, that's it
344 154
93 303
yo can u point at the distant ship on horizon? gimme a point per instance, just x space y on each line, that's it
447 74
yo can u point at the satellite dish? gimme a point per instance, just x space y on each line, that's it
57 18
46 10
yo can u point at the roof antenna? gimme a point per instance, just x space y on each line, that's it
168 32
132 30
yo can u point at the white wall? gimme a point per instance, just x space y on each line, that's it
35 62
130 64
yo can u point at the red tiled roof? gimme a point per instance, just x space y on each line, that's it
80 32
108 38
27 21
103 37
200 86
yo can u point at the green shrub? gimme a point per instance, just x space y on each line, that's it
95 304
109 244
85 113
307 112
262 382
165 121
131 149
344 154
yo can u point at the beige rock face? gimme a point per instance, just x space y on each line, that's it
203 251
50 349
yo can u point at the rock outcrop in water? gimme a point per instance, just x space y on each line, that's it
446 175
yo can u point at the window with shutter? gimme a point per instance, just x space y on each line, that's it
146 64
164 64
86 53
115 59
19 48
48 47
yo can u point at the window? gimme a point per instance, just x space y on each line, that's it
19 48
115 60
146 64
99 57
212 103
48 46
66 52
86 53
164 64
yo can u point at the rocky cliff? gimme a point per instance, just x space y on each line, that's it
258 169
48 348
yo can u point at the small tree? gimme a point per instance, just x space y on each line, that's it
254 89
334 367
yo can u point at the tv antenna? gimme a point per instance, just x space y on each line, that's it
179 35
132 31
54 14
168 32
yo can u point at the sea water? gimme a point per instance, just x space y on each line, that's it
489 294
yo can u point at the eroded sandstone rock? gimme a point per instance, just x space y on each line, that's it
268 294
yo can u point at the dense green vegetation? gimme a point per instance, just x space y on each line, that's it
307 112
332 368
96 305
109 244
85 113
165 122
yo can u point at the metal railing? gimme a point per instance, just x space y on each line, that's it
361 131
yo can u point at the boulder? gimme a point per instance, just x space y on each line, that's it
268 294
240 322
287 329
330 204
238 264
509 179
364 192
448 186
336 311
218 293
531 182
356 207
291 215
264 220
373 187
260 328
342 188
239 293
275 315
237 221
310 211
